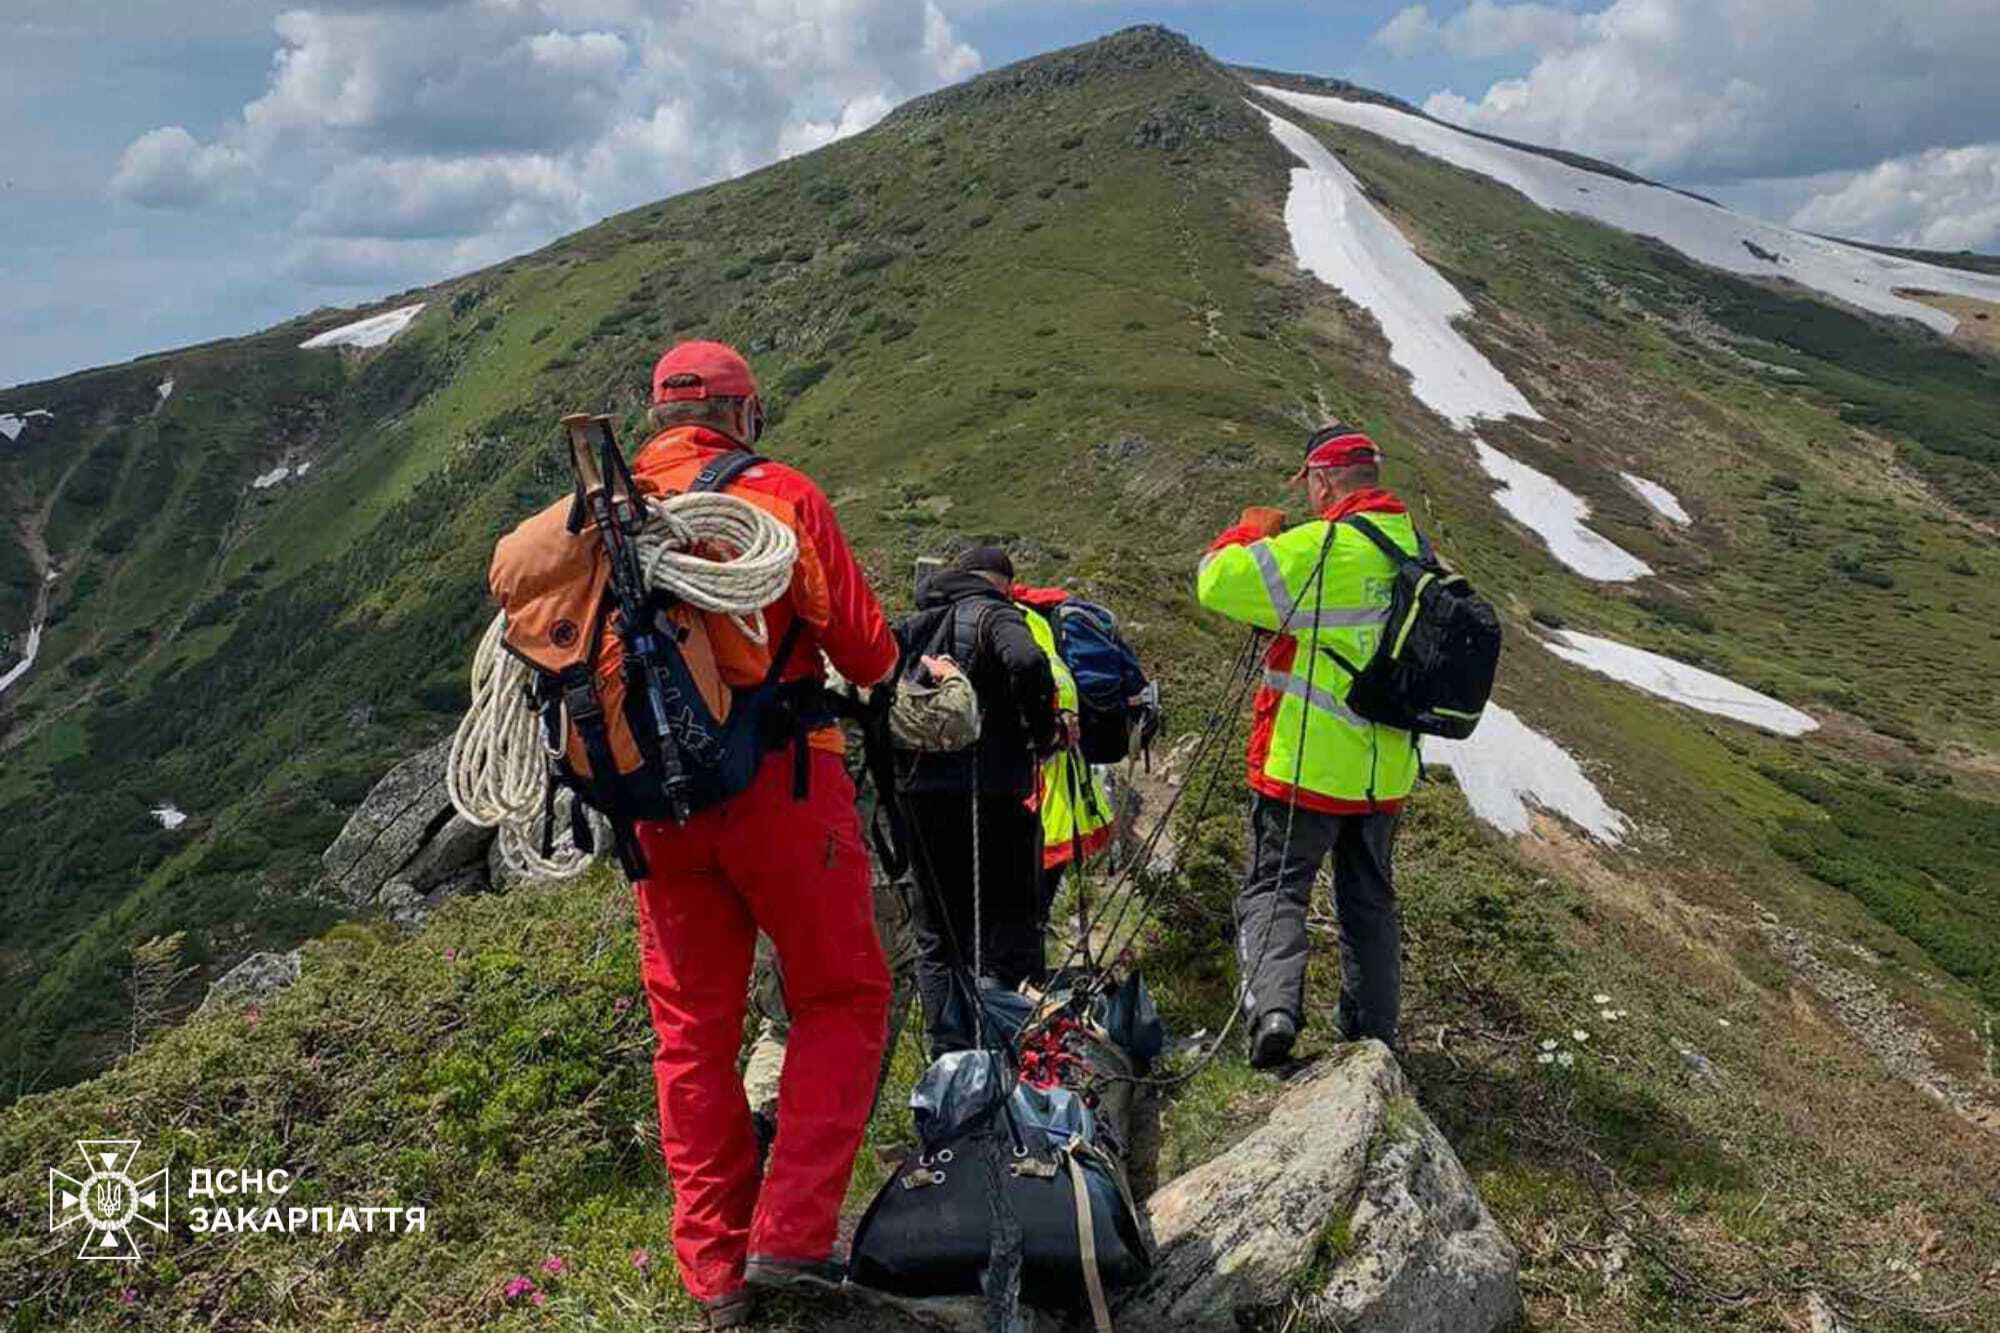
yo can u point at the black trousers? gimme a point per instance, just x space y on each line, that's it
1009 907
1271 937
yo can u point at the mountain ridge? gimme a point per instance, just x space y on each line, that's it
1025 315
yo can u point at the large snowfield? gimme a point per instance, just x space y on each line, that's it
1705 232
1344 240
1507 769
1683 684
371 332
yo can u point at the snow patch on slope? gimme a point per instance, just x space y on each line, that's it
165 388
371 332
1679 682
170 815
1342 239
20 668
1539 501
265 481
1661 500
1705 232
1506 767
11 426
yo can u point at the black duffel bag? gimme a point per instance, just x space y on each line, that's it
1006 1193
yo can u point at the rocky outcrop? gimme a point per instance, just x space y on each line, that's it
1348 1206
406 833
255 978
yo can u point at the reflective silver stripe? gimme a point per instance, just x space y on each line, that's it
1274 579
1343 617
1284 682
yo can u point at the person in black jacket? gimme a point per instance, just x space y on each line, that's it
965 612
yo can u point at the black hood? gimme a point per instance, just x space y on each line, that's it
946 586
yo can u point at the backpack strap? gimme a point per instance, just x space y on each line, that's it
1397 555
718 472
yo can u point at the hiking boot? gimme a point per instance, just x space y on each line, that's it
735 1310
1271 1043
771 1274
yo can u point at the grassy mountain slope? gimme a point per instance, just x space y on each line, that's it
1057 307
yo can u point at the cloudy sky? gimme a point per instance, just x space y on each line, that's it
175 172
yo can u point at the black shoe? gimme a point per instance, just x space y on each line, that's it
735 1310
794 1274
1271 1043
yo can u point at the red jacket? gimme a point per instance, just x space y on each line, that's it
845 620
1284 648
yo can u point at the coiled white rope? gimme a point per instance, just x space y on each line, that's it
498 771
741 586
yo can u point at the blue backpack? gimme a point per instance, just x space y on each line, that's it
1116 700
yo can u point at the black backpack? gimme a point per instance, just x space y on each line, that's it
1432 672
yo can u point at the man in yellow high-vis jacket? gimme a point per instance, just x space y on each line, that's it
1323 781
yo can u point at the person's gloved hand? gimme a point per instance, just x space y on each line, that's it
1264 520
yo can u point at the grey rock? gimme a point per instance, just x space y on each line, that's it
391 835
401 903
406 905
1821 1315
1347 1204
459 844
1698 1064
257 977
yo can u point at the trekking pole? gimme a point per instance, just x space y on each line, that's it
606 494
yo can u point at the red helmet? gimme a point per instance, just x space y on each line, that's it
694 370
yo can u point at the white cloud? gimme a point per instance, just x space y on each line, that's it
1483 30
1943 199
393 137
1725 89
1410 31
168 168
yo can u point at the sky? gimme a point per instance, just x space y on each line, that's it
171 173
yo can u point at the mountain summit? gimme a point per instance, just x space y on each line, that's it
1704 936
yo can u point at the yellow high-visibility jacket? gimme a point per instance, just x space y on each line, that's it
1075 808
1305 746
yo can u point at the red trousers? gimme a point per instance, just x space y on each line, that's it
798 871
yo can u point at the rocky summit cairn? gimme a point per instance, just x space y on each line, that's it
1346 1210
405 848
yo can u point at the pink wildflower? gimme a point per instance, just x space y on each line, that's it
517 1287
253 1016
538 1298
451 955
128 1296
621 1004
641 1259
553 1266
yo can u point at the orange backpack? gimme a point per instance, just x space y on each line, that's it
655 719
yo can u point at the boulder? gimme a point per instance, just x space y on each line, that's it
255 978
404 829
1347 1206
407 905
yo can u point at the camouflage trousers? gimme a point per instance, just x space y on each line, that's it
894 924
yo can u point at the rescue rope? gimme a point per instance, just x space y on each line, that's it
499 770
679 527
